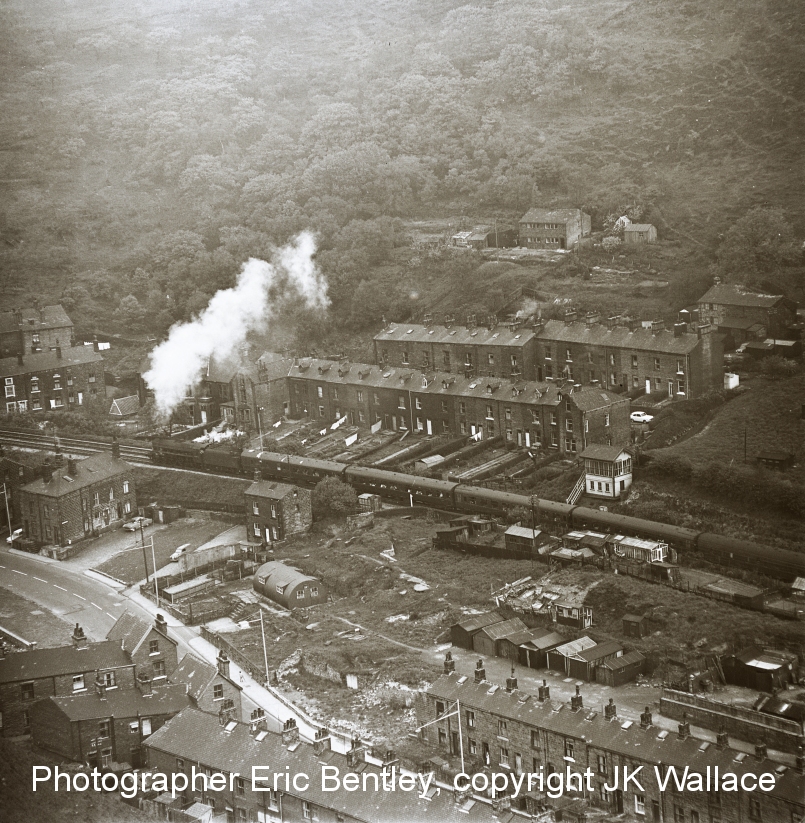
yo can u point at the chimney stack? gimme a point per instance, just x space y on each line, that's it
20 361
321 741
576 701
72 466
680 329
290 732
592 318
58 351
58 457
161 624
610 710
684 727
223 664
115 448
761 750
95 346
480 672
47 470
143 684
79 638
449 663
645 719
544 691
800 758
511 682
258 475
355 755
570 316
722 738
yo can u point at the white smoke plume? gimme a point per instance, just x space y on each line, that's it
231 314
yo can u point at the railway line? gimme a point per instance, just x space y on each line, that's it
73 445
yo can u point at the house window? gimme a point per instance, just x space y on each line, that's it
319 391
471 719
27 691
547 352
418 403
446 358
159 668
568 424
658 383
504 756
401 401
548 370
321 411
405 358
462 407
463 426
439 708
218 691
568 355
569 749
656 364
256 528
57 382
10 387
606 418
335 392
108 679
376 398
508 413
502 727
489 414
634 361
534 739
602 764
78 682
111 493
554 419
640 804
307 810
754 808
274 511
34 384
134 727
104 728
97 498
472 746
255 508
360 397
491 359
314 591
26 719
146 721
611 359
240 787
125 487
679 814
300 594
153 647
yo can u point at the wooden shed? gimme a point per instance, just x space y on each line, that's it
534 652
582 664
759 669
511 644
558 656
573 614
635 625
489 640
620 670
461 634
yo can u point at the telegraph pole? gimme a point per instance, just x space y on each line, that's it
145 556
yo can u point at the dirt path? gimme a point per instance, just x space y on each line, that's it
382 636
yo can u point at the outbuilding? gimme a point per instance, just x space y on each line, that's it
558 657
489 640
760 669
620 670
534 652
582 664
635 625
288 586
462 634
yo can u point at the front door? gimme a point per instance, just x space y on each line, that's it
670 388
429 426
455 749
203 416
619 801
648 385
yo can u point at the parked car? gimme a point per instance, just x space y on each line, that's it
641 417
137 523
180 551
17 533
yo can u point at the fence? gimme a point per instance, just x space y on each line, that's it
236 655
189 613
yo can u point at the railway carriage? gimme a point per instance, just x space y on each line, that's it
680 538
402 488
475 499
730 551
304 471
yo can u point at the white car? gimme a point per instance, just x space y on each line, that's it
13 536
137 523
180 551
641 417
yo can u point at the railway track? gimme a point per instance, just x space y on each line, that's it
73 445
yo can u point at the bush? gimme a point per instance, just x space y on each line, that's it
333 497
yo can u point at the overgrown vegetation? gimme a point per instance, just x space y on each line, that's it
149 151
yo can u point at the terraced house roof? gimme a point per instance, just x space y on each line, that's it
62 660
49 361
619 337
91 470
459 335
733 294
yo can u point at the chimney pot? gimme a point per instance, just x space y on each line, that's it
47 471
801 758
115 448
144 684
480 671
576 701
321 741
610 710
544 692
161 624
290 732
645 719
223 664
79 638
258 475
684 727
511 682
722 739
449 663
761 750
72 466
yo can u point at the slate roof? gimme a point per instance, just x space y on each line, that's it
522 531
638 227
457 335
550 215
48 317
195 736
124 406
585 398
49 361
546 641
93 469
196 675
131 630
619 337
600 452
269 489
62 660
627 739
733 294
121 703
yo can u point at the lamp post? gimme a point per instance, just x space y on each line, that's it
8 512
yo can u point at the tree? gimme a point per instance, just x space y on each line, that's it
776 366
761 242
333 497
130 311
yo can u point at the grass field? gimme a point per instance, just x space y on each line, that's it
770 414
175 486
32 622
